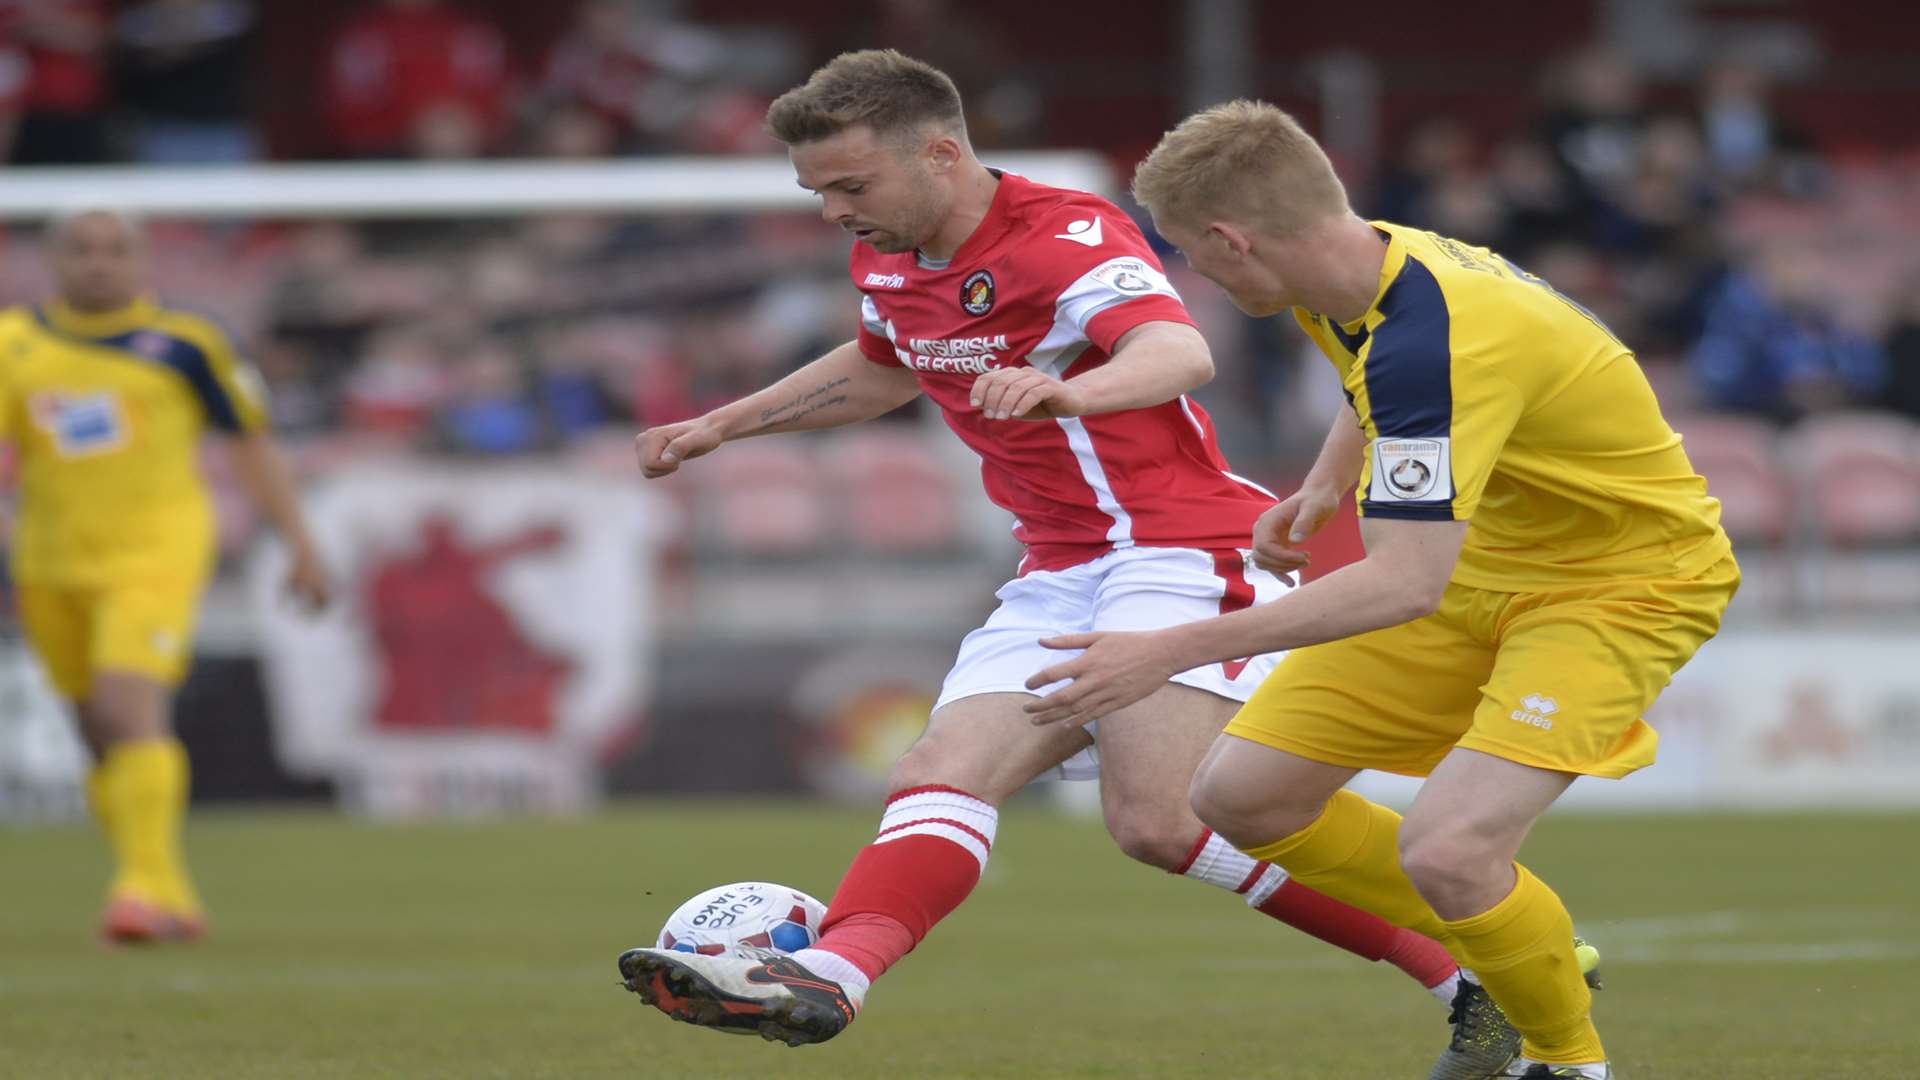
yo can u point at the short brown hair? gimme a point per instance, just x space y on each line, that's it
884 89
1244 159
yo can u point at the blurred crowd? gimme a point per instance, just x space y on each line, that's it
1754 270
178 81
1709 232
184 81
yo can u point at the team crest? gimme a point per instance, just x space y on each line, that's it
976 293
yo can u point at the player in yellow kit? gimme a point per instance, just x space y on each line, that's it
105 395
1540 559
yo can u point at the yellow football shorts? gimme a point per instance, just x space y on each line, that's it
80 631
1558 680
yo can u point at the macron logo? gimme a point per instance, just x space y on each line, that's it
886 281
1082 232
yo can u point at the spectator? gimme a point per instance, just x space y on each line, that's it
1541 204
489 412
570 384
399 386
1435 151
183 71
1747 141
1594 121
413 77
15 72
1902 345
1003 108
296 398
1771 347
656 85
63 42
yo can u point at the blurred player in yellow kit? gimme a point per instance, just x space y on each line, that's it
105 395
1541 557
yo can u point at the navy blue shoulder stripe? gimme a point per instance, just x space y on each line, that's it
1353 342
1409 371
191 362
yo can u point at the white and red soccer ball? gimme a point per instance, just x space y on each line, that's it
756 913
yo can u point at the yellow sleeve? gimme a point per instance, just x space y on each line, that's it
1436 422
229 388
10 350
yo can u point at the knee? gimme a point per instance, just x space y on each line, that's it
1444 863
930 762
918 767
1156 838
1244 818
104 723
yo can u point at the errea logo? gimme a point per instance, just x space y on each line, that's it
886 281
1537 710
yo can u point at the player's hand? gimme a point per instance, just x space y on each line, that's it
309 583
662 449
1021 393
1286 525
1116 670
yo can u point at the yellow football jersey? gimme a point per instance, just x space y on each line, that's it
106 412
1487 396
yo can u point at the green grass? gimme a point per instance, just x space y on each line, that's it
1754 947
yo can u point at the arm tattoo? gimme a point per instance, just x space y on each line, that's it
806 404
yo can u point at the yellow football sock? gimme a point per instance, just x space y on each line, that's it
139 792
1522 950
1352 852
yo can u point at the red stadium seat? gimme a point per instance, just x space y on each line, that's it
1736 456
899 497
1859 476
760 497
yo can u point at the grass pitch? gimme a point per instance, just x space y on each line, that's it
1756 947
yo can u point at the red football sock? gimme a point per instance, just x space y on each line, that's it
1271 892
1360 932
932 846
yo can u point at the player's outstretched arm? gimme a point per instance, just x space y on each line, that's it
1403 577
842 387
1152 363
263 470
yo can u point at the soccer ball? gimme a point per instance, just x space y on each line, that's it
745 913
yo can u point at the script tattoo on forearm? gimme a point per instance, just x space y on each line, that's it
805 405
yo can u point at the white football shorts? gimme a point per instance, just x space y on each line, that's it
1134 588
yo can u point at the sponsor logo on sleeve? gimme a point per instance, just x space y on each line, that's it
1130 276
1411 470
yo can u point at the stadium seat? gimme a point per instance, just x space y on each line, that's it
1859 476
899 498
1736 456
760 497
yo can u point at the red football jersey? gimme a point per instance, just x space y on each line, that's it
1050 280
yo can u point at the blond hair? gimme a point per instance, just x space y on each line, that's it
884 89
1244 160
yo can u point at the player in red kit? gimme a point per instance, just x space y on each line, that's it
1041 324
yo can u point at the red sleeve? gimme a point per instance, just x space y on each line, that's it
1106 278
1109 326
